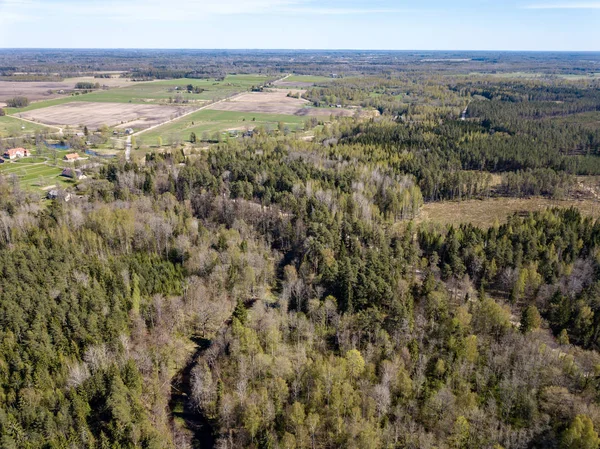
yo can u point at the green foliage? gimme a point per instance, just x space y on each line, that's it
580 434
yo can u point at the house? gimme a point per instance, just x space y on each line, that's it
71 157
129 131
80 134
56 194
14 153
73 174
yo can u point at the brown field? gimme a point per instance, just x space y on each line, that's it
484 213
98 114
47 90
275 102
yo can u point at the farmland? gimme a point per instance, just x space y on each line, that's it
98 114
211 121
47 90
161 92
275 102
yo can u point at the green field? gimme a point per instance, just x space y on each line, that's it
307 79
209 121
13 127
160 91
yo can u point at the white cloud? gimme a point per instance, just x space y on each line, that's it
578 5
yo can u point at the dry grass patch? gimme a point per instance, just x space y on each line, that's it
97 114
484 213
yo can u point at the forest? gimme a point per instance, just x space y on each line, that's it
275 291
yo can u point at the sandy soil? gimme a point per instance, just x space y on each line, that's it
97 114
46 90
275 102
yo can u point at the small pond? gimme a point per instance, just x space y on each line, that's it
58 146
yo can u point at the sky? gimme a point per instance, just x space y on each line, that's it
563 25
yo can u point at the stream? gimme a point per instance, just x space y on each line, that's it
181 405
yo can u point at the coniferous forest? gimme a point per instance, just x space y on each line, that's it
285 290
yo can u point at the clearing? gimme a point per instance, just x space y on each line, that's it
95 115
484 213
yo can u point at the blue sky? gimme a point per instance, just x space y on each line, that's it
323 24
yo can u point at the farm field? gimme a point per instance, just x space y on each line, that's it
159 92
98 114
47 90
484 213
13 127
272 102
211 121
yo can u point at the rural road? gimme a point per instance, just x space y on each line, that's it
194 111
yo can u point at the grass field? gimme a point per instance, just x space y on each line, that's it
308 79
160 92
13 127
33 173
210 121
484 213
301 81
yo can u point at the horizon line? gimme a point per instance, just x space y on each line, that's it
303 49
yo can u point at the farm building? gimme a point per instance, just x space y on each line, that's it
129 131
14 153
71 157
73 173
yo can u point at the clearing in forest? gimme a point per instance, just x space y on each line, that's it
483 213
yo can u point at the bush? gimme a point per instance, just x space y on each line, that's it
2 113
17 102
